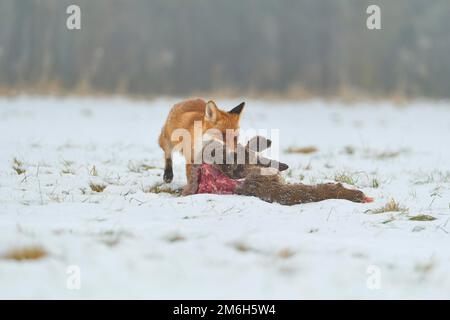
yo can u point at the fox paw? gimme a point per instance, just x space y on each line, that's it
168 176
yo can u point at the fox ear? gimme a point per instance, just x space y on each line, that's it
238 109
211 111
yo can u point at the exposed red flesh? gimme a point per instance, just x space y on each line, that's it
212 180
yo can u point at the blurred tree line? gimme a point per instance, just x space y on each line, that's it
321 47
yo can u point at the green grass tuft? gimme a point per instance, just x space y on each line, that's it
140 167
18 166
302 150
97 187
344 178
375 183
422 217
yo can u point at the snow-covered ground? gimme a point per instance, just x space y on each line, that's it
129 242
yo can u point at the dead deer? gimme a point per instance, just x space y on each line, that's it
257 176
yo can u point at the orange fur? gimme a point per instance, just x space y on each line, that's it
183 116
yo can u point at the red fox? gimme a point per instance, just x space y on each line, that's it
183 115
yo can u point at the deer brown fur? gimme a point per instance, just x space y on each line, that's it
268 185
272 188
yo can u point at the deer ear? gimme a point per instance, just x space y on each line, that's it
258 144
238 109
211 112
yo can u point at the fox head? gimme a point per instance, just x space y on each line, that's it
223 125
244 160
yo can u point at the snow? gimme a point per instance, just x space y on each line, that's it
131 243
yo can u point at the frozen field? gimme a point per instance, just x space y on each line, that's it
129 241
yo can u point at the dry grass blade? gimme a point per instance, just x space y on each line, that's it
96 187
302 150
349 150
344 178
389 154
93 172
422 217
26 253
391 206
175 237
19 171
160 188
147 167
241 246
286 253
